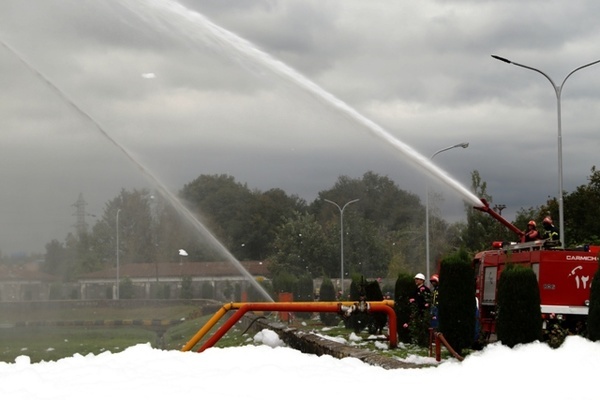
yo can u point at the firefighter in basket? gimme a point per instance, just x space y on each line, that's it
531 233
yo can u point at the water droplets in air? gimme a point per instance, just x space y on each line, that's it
193 26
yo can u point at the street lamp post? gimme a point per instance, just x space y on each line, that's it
342 239
464 146
117 224
557 91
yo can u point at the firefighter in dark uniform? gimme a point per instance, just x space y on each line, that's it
550 231
422 294
420 318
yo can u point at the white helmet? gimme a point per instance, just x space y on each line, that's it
420 276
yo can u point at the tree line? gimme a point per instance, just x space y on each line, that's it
383 232
581 213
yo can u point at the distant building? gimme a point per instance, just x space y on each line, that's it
215 280
24 283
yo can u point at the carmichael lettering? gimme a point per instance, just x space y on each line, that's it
582 258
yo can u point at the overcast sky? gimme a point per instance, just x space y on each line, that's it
183 103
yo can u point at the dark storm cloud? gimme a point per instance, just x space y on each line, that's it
185 104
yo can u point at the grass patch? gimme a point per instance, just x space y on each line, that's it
51 342
376 343
9 316
54 343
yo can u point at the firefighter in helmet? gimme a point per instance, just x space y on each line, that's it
420 318
531 233
422 294
550 231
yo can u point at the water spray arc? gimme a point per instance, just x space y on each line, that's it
427 261
161 188
190 20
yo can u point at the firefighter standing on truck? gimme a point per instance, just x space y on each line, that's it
550 231
531 233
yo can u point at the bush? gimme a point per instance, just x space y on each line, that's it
327 293
187 292
237 292
257 296
359 319
519 319
457 304
166 291
304 291
284 282
593 324
207 290
377 321
405 286
356 288
55 292
126 290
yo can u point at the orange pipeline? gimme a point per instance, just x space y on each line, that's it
385 306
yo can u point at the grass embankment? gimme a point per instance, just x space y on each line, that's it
52 336
56 339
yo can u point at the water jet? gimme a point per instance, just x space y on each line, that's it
156 183
189 22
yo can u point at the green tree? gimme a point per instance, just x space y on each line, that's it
384 218
457 305
381 201
519 318
403 289
79 256
244 221
365 252
481 230
284 281
523 217
174 232
269 210
56 258
135 228
126 289
304 291
187 291
224 206
301 247
327 293
582 213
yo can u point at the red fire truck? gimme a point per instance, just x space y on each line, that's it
564 277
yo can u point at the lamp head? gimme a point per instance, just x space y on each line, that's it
506 60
